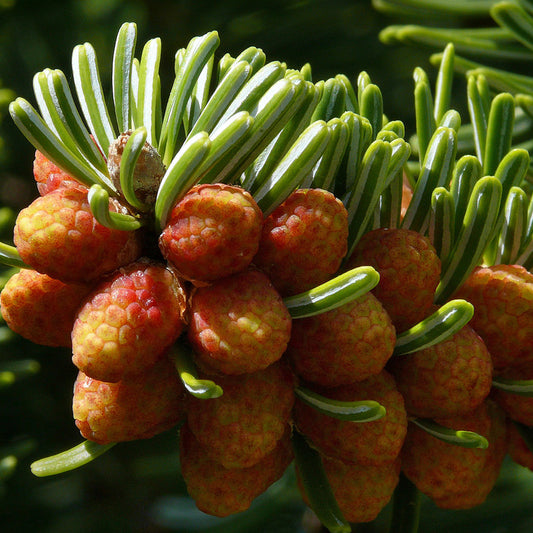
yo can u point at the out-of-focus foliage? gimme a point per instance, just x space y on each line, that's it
493 41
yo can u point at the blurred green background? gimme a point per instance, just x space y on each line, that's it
136 487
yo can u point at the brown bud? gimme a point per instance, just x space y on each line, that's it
148 173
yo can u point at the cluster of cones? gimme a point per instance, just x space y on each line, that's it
215 281
218 283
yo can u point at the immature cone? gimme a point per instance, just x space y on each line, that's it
221 491
440 469
40 308
128 321
239 324
409 271
477 491
244 424
367 443
212 232
303 241
344 345
446 379
502 296
149 169
58 235
137 407
49 176
361 491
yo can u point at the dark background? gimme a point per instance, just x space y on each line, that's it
136 486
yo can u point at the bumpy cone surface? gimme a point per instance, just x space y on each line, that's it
138 407
49 176
478 490
440 469
361 491
344 345
58 235
303 241
212 232
244 424
502 296
128 321
239 324
446 379
221 491
409 271
368 443
40 308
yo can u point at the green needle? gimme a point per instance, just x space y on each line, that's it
68 460
464 438
441 325
199 388
90 95
317 488
99 203
333 293
9 256
122 73
522 387
357 411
